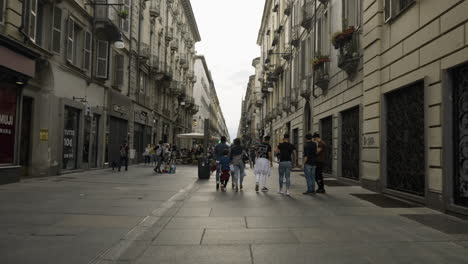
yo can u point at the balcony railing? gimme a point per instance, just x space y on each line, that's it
183 59
175 45
107 20
296 36
155 8
294 98
145 51
349 55
321 76
169 34
155 63
308 12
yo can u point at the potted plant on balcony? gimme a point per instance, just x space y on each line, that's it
339 39
123 14
319 61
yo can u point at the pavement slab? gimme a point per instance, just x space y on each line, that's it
140 217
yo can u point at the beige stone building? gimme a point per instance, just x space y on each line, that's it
383 82
78 78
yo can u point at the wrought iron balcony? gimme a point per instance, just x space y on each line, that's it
108 18
349 55
155 8
145 51
305 89
287 53
195 109
296 36
191 75
175 45
308 12
169 34
287 104
321 76
276 38
288 8
258 102
155 63
189 101
294 98
175 88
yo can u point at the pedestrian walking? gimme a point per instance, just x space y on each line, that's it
310 157
159 156
253 157
124 149
219 150
153 154
285 151
321 154
263 164
225 169
237 152
147 154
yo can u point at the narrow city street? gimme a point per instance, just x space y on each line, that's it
140 217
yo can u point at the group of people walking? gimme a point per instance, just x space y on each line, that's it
229 161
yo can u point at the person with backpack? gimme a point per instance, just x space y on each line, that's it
159 156
124 149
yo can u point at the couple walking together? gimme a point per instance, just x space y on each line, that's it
226 156
314 156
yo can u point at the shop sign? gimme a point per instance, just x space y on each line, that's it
44 135
68 136
7 123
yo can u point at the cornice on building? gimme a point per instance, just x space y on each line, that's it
264 23
191 19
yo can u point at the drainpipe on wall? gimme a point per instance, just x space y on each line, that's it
315 46
130 52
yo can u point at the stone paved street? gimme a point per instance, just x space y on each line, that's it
139 217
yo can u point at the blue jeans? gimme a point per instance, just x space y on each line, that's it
285 170
238 174
309 172
218 171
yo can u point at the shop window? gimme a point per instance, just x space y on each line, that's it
393 8
70 138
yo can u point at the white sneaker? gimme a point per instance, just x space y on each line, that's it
287 193
280 191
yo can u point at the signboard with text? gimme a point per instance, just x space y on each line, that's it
7 124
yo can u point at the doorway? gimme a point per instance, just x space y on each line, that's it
326 125
350 144
405 142
26 126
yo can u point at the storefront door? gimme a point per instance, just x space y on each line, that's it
326 126
116 134
26 123
94 141
350 144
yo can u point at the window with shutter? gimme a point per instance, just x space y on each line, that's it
102 58
70 39
352 12
2 11
87 46
32 19
119 70
56 30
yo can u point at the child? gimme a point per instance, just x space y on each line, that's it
224 161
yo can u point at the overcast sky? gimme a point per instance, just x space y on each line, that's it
229 31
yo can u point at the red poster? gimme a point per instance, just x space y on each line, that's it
7 123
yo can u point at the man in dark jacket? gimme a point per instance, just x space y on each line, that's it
321 154
124 149
219 150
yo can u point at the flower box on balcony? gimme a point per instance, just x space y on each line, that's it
319 61
339 39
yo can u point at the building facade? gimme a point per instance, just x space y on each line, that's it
102 73
383 82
